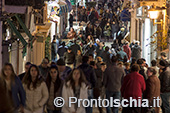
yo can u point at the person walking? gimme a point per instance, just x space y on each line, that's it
75 86
165 85
36 91
13 87
136 51
113 78
90 77
133 86
69 58
152 90
107 31
54 85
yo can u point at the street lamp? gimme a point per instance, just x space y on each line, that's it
153 13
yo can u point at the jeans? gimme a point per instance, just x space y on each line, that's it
165 102
90 96
115 95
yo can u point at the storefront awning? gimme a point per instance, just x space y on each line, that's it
24 43
59 8
43 31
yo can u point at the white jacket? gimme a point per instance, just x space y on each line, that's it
36 98
68 92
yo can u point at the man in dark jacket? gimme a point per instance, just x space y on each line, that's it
69 58
62 49
64 70
71 20
152 90
43 67
113 78
106 55
136 51
27 66
165 85
90 77
142 70
75 47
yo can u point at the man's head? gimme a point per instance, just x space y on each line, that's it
85 59
122 29
127 65
106 48
126 43
140 62
103 66
135 68
97 41
153 62
163 56
163 64
93 64
137 42
90 58
144 61
61 65
27 66
114 59
69 50
44 63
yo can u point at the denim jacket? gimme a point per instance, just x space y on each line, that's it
18 93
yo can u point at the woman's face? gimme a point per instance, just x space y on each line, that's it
79 52
149 73
72 30
76 75
53 74
33 72
7 71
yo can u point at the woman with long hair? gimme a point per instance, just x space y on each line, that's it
75 86
14 87
54 85
36 91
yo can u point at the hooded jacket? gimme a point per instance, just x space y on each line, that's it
136 51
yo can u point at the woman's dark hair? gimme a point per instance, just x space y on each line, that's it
152 70
13 75
72 82
58 81
135 68
27 79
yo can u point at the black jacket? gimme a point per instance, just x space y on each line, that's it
89 74
61 50
165 80
106 57
75 48
69 58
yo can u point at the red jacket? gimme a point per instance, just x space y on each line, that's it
133 86
127 50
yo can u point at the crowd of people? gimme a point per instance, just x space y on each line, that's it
103 21
86 68
35 90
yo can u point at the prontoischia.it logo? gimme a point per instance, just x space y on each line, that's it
59 102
